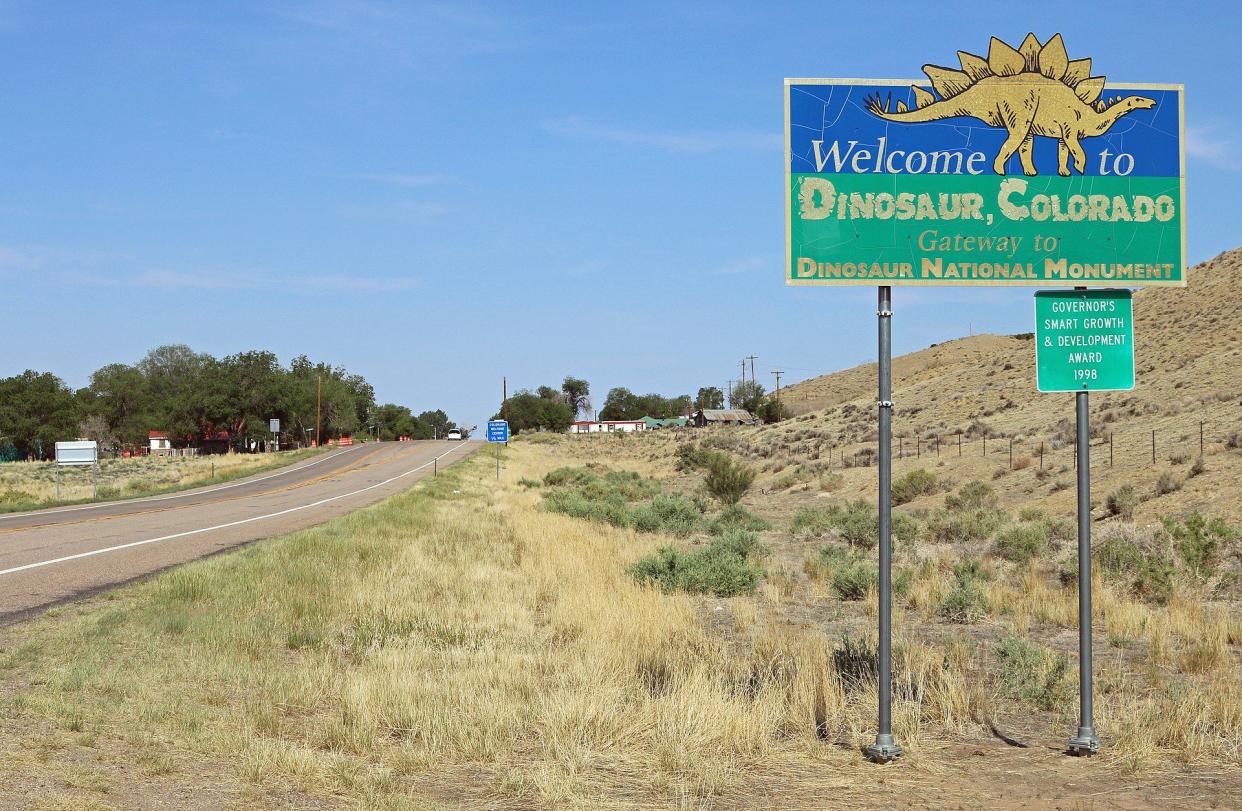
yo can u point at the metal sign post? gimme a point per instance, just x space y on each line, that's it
80 453
1084 341
885 748
1085 742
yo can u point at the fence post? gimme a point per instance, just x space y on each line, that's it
1110 448
1200 437
985 443
1041 454
901 447
918 445
1153 446
959 443
1011 453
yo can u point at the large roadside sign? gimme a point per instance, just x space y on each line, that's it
77 452
1084 340
1018 167
497 431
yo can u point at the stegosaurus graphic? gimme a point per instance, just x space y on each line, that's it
1034 90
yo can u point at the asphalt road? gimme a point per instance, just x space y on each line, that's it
50 556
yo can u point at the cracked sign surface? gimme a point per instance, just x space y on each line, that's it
1018 167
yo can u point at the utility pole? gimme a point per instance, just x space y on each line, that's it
751 358
778 395
318 408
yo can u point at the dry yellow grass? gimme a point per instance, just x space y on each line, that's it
461 646
26 485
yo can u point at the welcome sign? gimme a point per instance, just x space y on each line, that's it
1021 167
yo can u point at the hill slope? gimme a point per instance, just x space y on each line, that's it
1188 348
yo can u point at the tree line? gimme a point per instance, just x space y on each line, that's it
193 396
554 409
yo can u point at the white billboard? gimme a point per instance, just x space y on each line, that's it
79 452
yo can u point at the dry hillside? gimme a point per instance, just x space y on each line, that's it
1189 364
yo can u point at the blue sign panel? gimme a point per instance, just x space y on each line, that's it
497 431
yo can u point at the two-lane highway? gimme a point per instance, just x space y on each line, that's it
49 556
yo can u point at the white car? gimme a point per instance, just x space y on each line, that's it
454 434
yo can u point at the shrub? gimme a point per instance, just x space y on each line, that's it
740 542
1168 483
814 521
824 563
965 603
974 495
971 570
858 525
567 476
693 456
1022 543
852 580
1032 514
722 568
914 484
966 527
1197 469
831 482
1198 540
735 516
856 662
1148 575
727 479
1028 672
1021 463
678 515
529 483
1122 502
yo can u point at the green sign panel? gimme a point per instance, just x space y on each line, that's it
1020 167
1084 340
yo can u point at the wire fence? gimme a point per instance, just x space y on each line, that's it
1109 448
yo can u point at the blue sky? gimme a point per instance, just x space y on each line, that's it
436 195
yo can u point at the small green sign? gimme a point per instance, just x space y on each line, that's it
1084 340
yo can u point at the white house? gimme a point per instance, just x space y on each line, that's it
607 426
160 443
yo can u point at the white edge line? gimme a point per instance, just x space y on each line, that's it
193 491
187 533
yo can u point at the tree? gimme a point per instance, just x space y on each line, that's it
771 411
747 395
118 394
96 427
37 409
577 395
530 412
438 421
621 404
709 397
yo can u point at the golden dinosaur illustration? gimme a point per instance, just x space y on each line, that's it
1033 90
